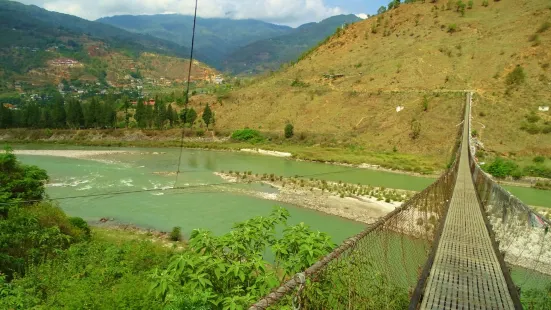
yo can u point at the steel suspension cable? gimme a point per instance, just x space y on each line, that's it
187 92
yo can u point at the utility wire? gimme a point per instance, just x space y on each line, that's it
187 93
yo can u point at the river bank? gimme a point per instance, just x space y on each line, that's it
125 232
363 204
414 164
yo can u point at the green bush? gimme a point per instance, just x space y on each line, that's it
501 168
539 171
289 131
544 27
248 135
539 159
531 128
532 118
516 77
19 182
99 274
200 133
176 234
81 224
452 28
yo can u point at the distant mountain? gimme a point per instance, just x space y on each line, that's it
269 54
215 38
29 25
39 48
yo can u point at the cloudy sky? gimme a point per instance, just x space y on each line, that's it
288 12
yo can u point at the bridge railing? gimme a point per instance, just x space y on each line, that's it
378 268
522 233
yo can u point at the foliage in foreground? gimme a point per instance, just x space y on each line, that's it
230 271
30 233
91 275
537 299
19 182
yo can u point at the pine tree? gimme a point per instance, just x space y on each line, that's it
207 116
126 106
59 116
191 117
6 117
170 115
92 114
149 116
140 114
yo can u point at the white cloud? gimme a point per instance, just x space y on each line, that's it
289 12
362 16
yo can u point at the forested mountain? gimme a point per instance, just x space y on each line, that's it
216 37
270 53
39 47
31 26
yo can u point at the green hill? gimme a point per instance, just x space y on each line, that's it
215 39
416 59
270 54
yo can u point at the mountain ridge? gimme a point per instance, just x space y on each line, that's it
214 36
40 48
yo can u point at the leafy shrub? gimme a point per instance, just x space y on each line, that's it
530 128
19 182
232 267
539 159
289 131
30 235
248 135
81 224
298 83
415 129
516 77
537 298
200 133
539 171
544 27
501 168
176 234
99 274
532 118
452 28
485 3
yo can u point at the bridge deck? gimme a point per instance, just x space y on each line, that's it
466 273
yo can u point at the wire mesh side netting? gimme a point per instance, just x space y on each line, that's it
379 267
522 234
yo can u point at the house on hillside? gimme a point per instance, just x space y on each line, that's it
217 79
65 62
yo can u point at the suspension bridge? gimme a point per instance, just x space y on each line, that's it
452 246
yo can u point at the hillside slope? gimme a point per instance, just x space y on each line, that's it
270 54
347 92
216 37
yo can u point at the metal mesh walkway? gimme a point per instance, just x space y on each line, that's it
466 273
